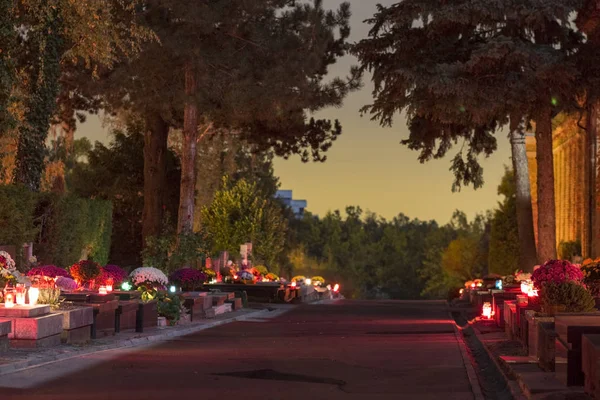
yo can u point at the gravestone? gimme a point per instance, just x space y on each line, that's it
568 345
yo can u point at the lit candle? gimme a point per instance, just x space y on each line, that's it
21 292
9 300
487 310
109 288
102 290
34 293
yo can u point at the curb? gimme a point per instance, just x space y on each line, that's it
471 374
141 342
515 388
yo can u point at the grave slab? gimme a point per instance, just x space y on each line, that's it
126 315
49 341
570 329
81 335
35 328
590 356
24 311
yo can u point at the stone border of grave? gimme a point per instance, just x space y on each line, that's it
53 355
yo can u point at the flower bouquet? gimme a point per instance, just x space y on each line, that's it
591 275
85 272
556 271
188 278
49 271
112 275
148 280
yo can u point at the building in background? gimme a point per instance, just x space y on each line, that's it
297 206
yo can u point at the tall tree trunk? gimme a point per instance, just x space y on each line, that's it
545 185
155 182
185 220
591 169
527 251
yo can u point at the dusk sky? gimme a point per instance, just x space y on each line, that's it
367 165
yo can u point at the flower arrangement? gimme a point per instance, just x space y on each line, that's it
298 278
6 262
188 278
210 274
521 276
246 277
66 284
171 307
318 280
112 275
50 271
85 272
591 275
148 275
556 271
261 269
271 277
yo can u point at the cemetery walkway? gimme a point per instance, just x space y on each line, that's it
346 350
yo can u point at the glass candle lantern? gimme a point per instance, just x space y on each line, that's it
9 299
102 290
20 295
34 294
487 311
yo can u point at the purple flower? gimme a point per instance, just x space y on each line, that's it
66 284
112 274
188 278
50 271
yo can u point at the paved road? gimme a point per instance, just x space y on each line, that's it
346 350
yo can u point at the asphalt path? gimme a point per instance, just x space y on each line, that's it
346 350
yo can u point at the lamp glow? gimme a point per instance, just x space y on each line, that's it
34 294
308 281
499 284
172 289
126 286
109 288
294 284
461 291
336 288
102 290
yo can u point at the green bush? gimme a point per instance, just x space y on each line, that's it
17 217
73 229
569 250
262 270
568 297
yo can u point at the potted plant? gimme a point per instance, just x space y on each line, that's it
188 278
85 273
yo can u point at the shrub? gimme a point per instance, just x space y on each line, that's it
17 210
556 271
112 274
569 250
170 307
50 296
262 270
85 271
298 278
66 284
188 278
71 225
568 296
50 271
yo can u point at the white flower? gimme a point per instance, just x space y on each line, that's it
148 274
10 264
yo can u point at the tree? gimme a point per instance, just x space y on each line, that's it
504 256
461 70
116 173
228 65
239 214
53 37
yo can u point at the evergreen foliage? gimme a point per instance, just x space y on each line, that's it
504 241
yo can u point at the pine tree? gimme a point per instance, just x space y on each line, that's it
462 69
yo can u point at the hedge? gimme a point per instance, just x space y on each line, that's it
64 228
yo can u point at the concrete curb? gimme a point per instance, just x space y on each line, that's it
515 389
471 374
141 342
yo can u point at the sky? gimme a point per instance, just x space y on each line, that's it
367 166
